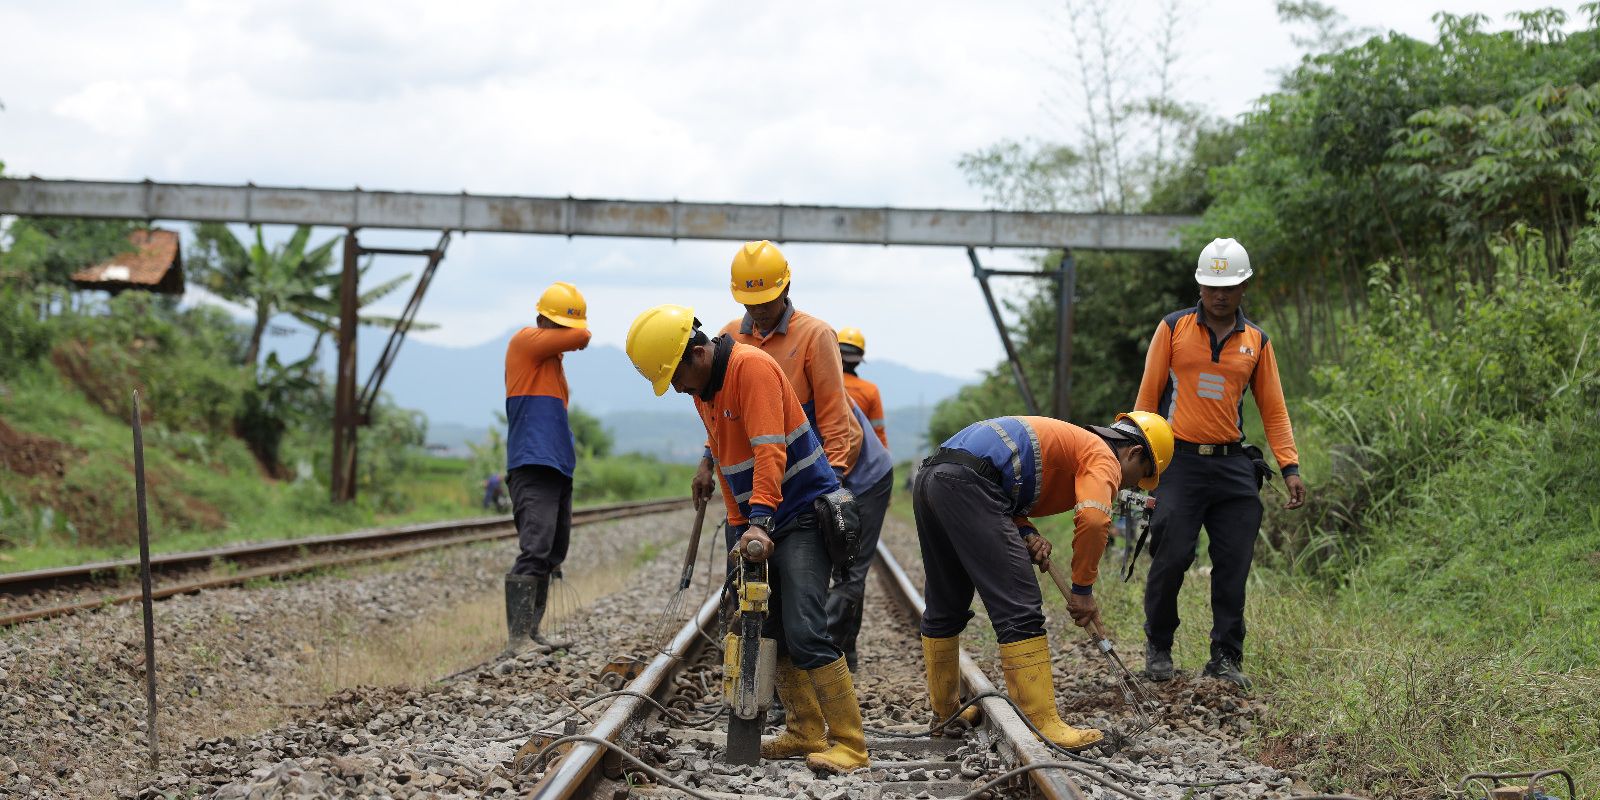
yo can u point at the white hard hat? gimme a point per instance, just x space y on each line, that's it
1224 262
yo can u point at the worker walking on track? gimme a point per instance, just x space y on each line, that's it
772 472
540 456
807 350
852 350
1200 363
973 500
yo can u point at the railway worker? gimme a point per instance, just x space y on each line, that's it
852 351
1201 361
540 456
973 501
807 350
772 471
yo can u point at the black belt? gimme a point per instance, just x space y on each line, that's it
983 466
1229 449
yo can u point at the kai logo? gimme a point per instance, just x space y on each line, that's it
727 413
1219 265
573 312
1247 349
755 283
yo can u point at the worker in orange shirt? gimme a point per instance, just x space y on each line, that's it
974 499
852 350
807 349
540 455
1200 363
772 472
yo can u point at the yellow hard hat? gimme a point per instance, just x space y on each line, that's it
853 337
656 341
563 305
1159 436
759 273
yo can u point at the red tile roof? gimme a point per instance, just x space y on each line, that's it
155 265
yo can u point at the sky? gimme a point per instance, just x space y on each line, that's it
822 102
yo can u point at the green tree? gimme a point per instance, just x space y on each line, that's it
281 279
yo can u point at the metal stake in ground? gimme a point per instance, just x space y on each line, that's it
144 582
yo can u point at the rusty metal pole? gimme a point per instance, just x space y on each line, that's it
344 392
1067 285
1005 338
144 582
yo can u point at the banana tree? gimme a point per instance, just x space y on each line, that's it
281 279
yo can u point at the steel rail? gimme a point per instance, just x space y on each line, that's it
579 767
577 771
998 715
433 536
20 582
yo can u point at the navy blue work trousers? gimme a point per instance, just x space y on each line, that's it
847 597
969 542
1220 493
797 572
541 503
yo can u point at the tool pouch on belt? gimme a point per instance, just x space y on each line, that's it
840 520
1264 473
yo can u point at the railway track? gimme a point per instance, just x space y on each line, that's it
67 590
634 750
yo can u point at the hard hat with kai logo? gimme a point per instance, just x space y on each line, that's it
760 273
563 305
656 341
1224 262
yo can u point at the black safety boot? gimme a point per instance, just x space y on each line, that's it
1157 663
1226 667
541 602
520 591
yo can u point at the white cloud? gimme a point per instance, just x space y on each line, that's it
825 102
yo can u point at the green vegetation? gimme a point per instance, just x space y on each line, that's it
237 446
1423 220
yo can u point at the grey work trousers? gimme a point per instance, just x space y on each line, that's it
797 572
846 599
541 504
969 542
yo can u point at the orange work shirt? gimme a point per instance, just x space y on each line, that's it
1198 383
867 398
808 351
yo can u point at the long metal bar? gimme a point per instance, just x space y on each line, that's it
1067 287
144 585
1005 337
1014 734
345 421
397 337
572 777
571 216
13 583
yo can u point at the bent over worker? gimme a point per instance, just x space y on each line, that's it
807 350
974 499
540 455
772 471
1200 363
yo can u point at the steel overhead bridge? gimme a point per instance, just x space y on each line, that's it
573 216
356 209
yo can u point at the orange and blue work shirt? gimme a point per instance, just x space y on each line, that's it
1198 383
865 394
769 460
1048 466
536 398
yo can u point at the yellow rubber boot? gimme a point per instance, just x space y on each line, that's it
803 731
837 695
1027 667
942 658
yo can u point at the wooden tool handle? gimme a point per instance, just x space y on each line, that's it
1095 626
694 538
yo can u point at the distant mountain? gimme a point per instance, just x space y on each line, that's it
461 388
